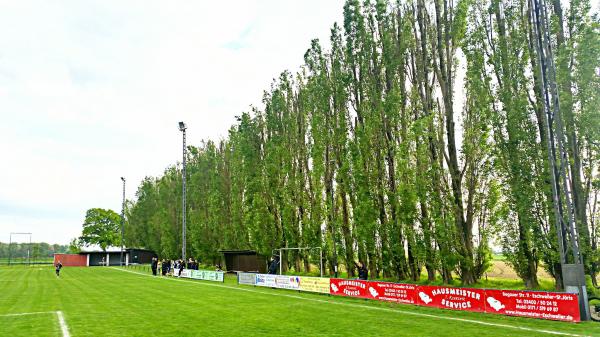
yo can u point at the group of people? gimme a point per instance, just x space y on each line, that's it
167 267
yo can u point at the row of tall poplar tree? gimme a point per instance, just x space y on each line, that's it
415 143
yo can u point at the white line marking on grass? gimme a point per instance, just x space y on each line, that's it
27 313
63 324
61 319
457 319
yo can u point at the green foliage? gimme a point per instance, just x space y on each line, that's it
101 227
34 250
380 150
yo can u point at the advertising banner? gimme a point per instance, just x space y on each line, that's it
314 284
287 282
265 280
246 278
535 304
393 292
184 273
351 288
383 291
207 275
278 281
451 298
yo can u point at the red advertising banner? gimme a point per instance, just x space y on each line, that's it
351 288
534 304
393 292
466 299
383 291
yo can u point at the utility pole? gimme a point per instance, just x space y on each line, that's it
182 128
122 220
571 260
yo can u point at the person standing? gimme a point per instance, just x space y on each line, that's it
363 272
164 267
58 268
181 265
154 265
273 265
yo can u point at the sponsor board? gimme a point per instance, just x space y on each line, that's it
265 280
534 304
278 281
207 275
314 284
382 291
184 273
467 299
246 278
303 283
393 292
351 288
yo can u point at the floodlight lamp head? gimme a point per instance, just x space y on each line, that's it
182 126
122 178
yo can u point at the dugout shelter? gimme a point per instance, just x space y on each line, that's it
244 260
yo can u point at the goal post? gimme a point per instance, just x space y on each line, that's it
300 248
10 244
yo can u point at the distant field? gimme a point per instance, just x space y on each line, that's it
116 302
21 260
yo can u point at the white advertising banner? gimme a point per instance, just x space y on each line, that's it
207 275
278 281
247 278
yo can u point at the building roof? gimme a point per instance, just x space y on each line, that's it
109 249
98 249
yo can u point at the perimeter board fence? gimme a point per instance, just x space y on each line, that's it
533 304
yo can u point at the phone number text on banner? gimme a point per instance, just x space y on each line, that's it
534 304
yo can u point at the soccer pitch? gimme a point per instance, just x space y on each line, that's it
122 302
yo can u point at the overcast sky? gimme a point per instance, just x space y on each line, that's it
92 90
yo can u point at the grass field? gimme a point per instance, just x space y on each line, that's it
116 302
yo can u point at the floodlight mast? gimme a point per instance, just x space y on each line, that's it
571 259
122 221
182 128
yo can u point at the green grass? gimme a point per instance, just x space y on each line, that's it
110 302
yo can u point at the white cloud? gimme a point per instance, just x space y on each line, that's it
92 90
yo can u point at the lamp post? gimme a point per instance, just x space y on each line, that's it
182 128
122 220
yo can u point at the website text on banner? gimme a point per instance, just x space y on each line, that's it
207 275
303 283
534 304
